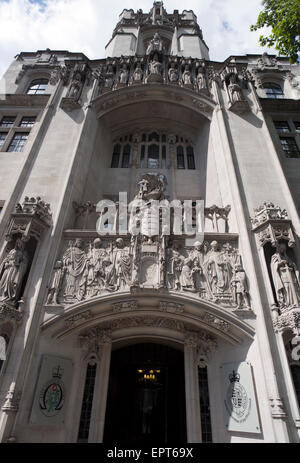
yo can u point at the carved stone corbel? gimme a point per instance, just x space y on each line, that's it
29 219
289 319
277 408
271 224
93 340
203 344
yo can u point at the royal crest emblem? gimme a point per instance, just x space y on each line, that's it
237 402
52 395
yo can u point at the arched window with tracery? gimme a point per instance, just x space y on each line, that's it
153 152
37 87
273 90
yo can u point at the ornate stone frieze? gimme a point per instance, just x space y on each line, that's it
266 62
171 307
154 67
90 268
125 306
71 321
271 224
216 322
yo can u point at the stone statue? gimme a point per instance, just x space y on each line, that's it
175 264
155 66
218 270
285 278
12 272
76 270
173 73
186 277
200 284
201 80
98 260
121 269
234 89
75 89
187 76
109 77
138 73
55 285
151 186
240 287
123 75
155 44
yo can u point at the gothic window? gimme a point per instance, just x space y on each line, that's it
27 121
180 158
153 157
190 157
126 156
116 157
204 406
37 87
121 155
282 126
295 369
18 142
87 402
4 340
14 131
290 147
3 136
273 90
7 121
297 126
153 151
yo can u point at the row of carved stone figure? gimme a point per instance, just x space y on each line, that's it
155 69
215 274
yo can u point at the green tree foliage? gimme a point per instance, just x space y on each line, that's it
283 16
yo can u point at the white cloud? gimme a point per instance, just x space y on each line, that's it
86 25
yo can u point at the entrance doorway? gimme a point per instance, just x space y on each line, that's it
146 396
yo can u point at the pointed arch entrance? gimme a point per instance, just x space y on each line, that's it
146 395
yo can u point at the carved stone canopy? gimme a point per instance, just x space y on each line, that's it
271 224
288 320
29 219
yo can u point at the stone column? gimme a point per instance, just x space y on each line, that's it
100 392
193 420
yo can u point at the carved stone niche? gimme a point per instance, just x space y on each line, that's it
233 85
72 99
272 225
27 223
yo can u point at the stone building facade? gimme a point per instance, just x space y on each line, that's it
124 337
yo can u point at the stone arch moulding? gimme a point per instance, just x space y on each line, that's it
198 103
149 314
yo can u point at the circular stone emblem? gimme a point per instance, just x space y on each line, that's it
52 398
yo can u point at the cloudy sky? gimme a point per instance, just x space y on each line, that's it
86 25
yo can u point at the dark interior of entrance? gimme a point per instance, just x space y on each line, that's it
146 396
